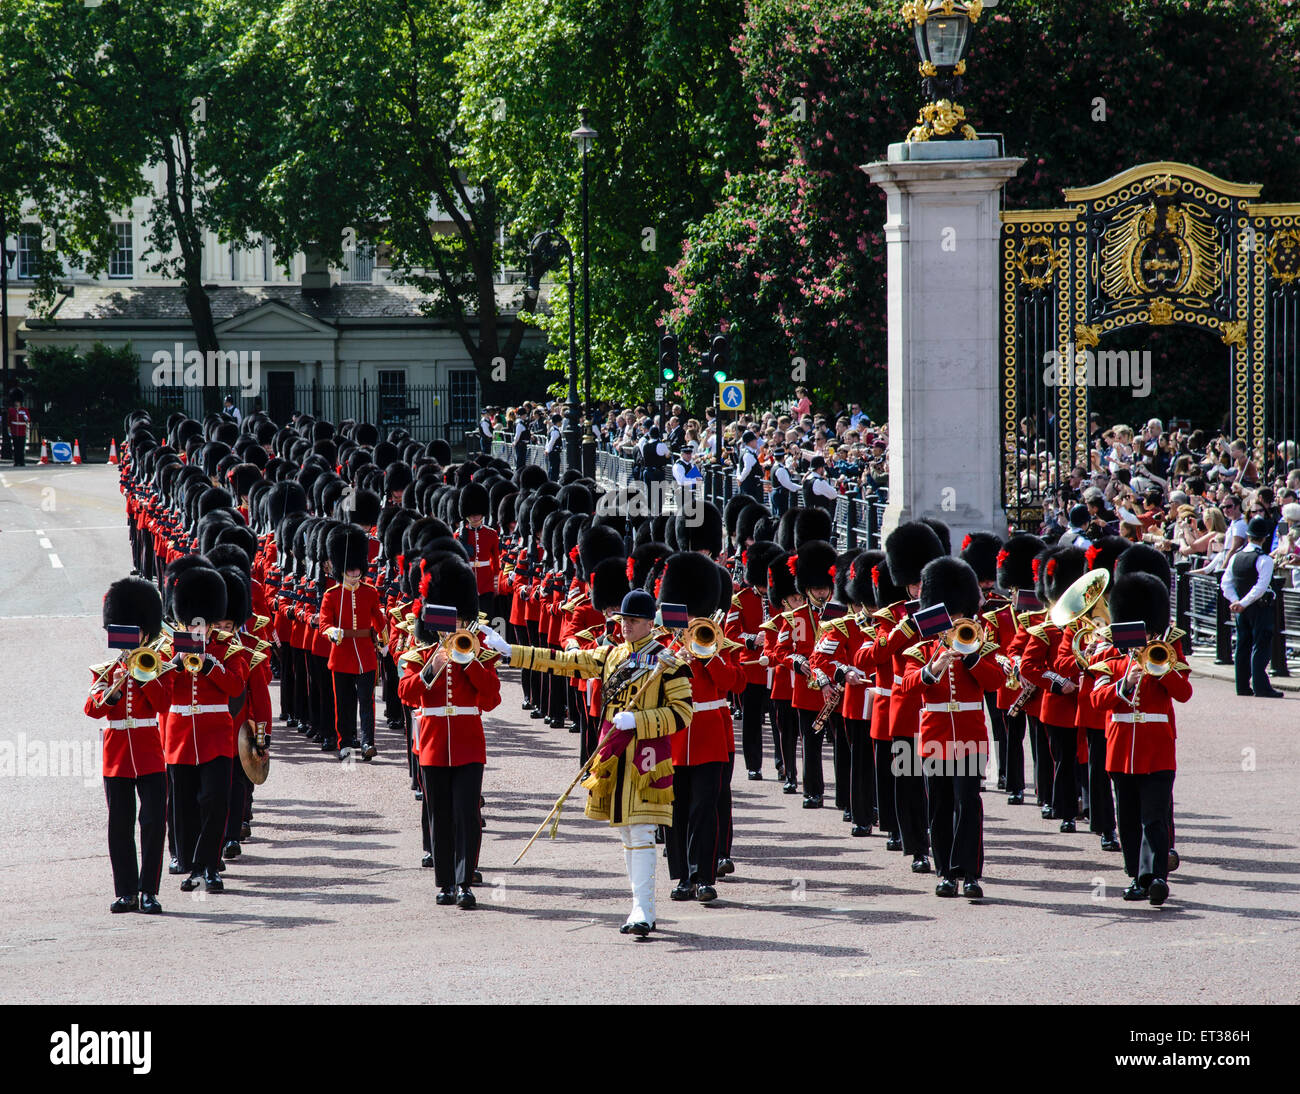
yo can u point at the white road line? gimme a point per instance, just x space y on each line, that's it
70 528
54 561
75 615
45 544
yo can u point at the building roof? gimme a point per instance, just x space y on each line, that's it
341 303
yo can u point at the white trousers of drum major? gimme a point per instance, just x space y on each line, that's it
639 854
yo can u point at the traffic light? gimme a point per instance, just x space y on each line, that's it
668 355
720 357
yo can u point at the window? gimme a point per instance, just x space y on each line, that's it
29 249
359 263
464 396
393 410
120 262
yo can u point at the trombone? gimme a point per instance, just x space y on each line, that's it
142 663
1156 658
701 638
964 636
461 646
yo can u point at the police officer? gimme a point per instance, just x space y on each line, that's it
784 487
749 476
1247 585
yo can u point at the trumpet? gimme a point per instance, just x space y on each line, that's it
1156 658
701 638
965 636
1086 632
193 662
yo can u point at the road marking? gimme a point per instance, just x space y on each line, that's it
71 528
54 561
45 543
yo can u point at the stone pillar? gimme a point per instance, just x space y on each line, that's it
941 237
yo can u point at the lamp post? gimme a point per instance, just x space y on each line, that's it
6 257
545 249
584 137
942 31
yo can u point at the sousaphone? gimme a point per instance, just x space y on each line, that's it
253 751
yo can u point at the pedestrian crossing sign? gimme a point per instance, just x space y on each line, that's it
731 394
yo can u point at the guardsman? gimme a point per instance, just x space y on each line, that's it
646 696
980 551
133 754
352 619
1137 689
481 542
782 597
745 619
449 692
950 679
198 732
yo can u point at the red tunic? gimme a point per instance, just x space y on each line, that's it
951 708
484 547
1041 649
132 738
198 726
1140 731
744 621
353 610
447 715
708 736
834 654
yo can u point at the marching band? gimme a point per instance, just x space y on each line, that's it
357 569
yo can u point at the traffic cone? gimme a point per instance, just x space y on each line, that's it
112 451
76 450
45 451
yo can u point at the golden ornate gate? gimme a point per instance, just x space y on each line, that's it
1159 244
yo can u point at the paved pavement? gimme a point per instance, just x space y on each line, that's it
329 904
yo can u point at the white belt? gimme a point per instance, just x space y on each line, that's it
712 704
1138 716
878 691
950 708
195 708
444 712
134 723
481 562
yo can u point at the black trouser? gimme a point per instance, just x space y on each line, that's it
519 637
553 463
287 696
1143 807
19 445
322 689
521 454
777 722
956 819
909 798
392 704
304 701
1255 626
788 720
120 792
451 801
412 759
753 486
753 708
1101 805
885 786
1013 732
241 793
1042 761
726 827
202 799
692 841
533 630
999 726
557 698
1064 743
862 770
814 784
841 761
353 689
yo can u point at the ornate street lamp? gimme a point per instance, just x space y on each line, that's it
942 31
584 137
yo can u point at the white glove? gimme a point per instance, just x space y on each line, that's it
625 720
493 641
334 634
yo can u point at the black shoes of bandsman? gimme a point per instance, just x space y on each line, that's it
683 890
174 867
445 897
1158 891
232 849
946 888
465 899
1109 842
212 882
124 904
638 929
725 867
921 865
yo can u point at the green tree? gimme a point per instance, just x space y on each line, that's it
83 396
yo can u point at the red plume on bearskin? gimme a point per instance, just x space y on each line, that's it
791 563
1051 568
659 581
831 571
401 564
853 575
1034 567
424 585
875 575
1092 553
1003 555
631 568
965 543
573 554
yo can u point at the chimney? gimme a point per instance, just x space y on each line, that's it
316 271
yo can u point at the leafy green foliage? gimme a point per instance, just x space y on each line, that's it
83 396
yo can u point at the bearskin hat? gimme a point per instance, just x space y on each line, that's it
440 450
785 530
531 477
780 580
474 500
1104 554
732 510
348 548
228 554
506 509
942 531
577 499
541 509
907 550
815 566
199 593
214 498
597 544
757 557
765 529
242 538
134 602
668 532
238 598
365 507
811 524
242 476
552 545
609 584
365 433
886 591
1143 596
843 564
574 526
747 522
1064 568
1015 561
690 579
952 583
1142 558
699 528
980 551
449 581
397 477
726 588
860 589
643 561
